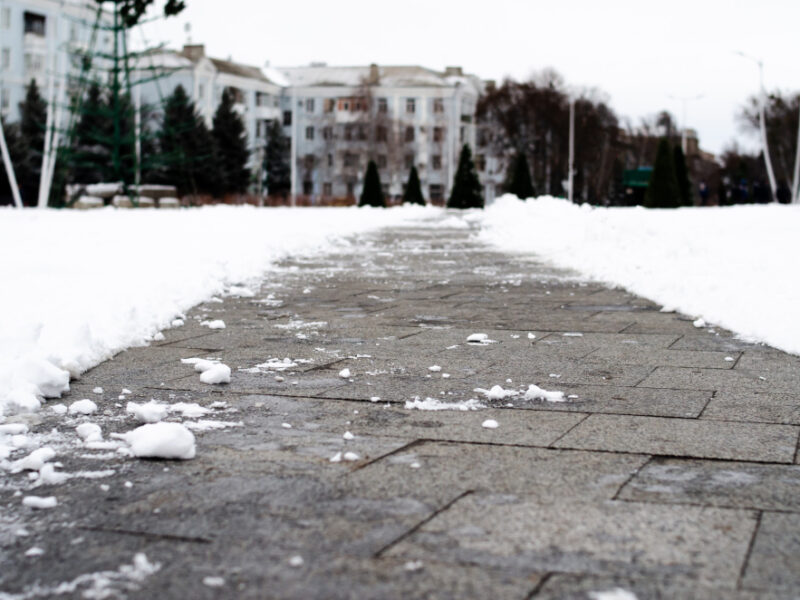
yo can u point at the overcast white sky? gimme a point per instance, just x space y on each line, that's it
637 51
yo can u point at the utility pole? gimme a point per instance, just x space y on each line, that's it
763 124
12 179
571 149
293 139
796 178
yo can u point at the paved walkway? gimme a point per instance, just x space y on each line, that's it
671 471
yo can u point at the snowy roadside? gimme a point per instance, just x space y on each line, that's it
82 286
732 266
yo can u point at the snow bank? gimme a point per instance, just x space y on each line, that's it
731 266
130 274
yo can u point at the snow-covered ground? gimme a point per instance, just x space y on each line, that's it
79 287
733 266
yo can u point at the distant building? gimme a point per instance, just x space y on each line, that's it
32 33
398 116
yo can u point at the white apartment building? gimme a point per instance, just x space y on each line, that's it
339 118
35 32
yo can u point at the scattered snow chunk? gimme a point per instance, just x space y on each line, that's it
453 347
149 412
215 324
348 436
49 476
39 501
82 407
615 594
345 373
480 339
213 581
489 424
158 337
434 404
35 551
218 373
286 425
177 323
728 359
531 336
126 391
336 458
240 291
350 456
496 393
413 565
699 323
161 440
208 425
296 561
555 375
97 390
189 410
375 399
572 334
415 465
536 393
435 368
34 461
89 432
59 409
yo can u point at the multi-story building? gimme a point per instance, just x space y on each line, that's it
37 38
339 118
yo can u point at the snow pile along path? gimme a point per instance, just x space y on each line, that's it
82 286
732 266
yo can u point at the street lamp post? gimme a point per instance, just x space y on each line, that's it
763 123
571 148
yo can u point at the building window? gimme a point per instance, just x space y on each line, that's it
411 105
309 105
436 191
381 161
308 161
287 117
348 132
201 91
409 161
436 162
362 132
258 129
33 62
409 134
385 189
330 160
438 134
34 23
383 106
5 19
350 160
327 133
5 60
380 133
308 187
309 133
327 189
4 101
351 188
328 105
73 33
438 105
480 162
461 133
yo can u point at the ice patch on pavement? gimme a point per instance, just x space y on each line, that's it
436 404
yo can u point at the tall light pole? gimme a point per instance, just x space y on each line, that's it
571 148
763 123
796 178
684 100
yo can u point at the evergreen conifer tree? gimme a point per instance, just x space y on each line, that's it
231 146
413 191
663 191
682 173
33 119
466 192
277 159
520 178
372 194
187 147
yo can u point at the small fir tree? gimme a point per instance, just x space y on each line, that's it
231 145
90 155
466 192
372 194
413 191
520 178
32 122
187 148
663 191
682 174
277 161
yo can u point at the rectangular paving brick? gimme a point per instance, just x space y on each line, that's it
685 437
720 379
775 559
755 407
632 355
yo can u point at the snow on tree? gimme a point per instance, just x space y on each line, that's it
466 192
372 194
413 191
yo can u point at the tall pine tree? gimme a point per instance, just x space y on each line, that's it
372 194
466 192
682 173
32 122
413 191
187 147
277 161
231 145
663 191
90 156
520 178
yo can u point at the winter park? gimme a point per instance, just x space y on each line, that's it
374 326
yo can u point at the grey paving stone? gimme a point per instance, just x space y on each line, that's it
632 355
775 559
719 379
623 538
716 483
755 407
685 437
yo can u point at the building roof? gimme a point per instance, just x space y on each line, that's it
388 76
